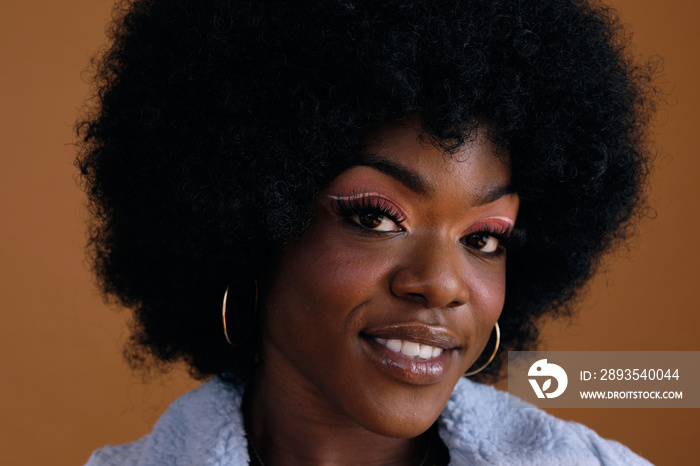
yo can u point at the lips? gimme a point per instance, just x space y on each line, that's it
414 353
435 336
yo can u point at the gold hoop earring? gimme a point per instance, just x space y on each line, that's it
250 324
493 355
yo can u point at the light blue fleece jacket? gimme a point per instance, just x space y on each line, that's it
205 427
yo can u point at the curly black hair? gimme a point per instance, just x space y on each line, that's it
215 123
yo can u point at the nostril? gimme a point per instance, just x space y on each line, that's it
417 297
429 290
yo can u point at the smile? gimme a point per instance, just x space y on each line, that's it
413 353
411 348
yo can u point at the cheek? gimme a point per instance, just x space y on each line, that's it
319 282
490 294
487 296
329 271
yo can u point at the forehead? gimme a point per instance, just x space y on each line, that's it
406 150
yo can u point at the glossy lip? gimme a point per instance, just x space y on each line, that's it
406 369
433 335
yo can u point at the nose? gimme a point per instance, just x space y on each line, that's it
432 274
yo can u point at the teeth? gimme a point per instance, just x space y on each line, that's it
426 352
411 349
394 345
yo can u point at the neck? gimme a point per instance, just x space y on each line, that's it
285 429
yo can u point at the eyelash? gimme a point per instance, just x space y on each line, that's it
348 207
507 239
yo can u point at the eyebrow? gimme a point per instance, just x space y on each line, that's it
410 179
415 183
492 194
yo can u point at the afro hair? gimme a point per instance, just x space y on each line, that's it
214 124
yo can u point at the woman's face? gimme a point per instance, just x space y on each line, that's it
394 289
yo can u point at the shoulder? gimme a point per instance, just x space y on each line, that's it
122 455
204 426
482 425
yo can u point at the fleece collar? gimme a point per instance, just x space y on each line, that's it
478 426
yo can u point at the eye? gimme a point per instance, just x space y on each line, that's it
483 242
375 221
369 212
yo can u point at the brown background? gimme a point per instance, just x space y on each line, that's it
64 389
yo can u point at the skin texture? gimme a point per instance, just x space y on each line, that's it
325 389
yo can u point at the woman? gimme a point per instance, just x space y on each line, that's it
313 203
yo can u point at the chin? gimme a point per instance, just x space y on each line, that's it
405 428
406 418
